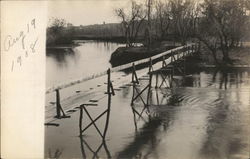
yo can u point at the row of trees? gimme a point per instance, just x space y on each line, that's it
59 32
219 24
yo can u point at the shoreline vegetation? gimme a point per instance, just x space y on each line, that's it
219 26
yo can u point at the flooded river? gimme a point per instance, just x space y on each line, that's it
88 57
205 115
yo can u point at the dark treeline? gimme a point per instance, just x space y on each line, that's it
220 25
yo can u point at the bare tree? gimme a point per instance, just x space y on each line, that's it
206 34
59 32
131 21
227 19
182 17
162 18
149 27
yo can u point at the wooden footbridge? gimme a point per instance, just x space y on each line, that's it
162 66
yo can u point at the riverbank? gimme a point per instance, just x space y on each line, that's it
117 39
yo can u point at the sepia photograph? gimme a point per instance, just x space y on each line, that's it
147 79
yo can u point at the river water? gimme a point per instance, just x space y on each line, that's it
88 57
205 115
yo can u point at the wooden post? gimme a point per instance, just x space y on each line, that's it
184 67
132 79
156 82
171 53
163 61
172 72
58 104
109 104
134 75
134 82
132 100
149 88
80 120
170 79
199 46
59 108
150 65
184 52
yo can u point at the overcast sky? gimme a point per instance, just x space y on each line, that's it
86 12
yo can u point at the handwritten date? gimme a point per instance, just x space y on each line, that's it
11 41
25 39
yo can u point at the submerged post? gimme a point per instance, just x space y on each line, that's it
199 46
193 48
58 104
59 108
80 120
149 88
109 86
163 60
156 81
150 65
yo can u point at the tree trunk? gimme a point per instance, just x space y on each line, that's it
226 58
214 56
224 49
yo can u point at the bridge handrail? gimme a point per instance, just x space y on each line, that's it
115 69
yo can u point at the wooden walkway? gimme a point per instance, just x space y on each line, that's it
177 52
63 109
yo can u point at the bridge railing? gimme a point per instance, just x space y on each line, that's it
191 46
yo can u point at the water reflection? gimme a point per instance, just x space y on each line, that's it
61 56
56 154
223 130
146 136
205 117
224 138
94 153
218 78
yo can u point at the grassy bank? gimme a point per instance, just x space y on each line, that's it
124 55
